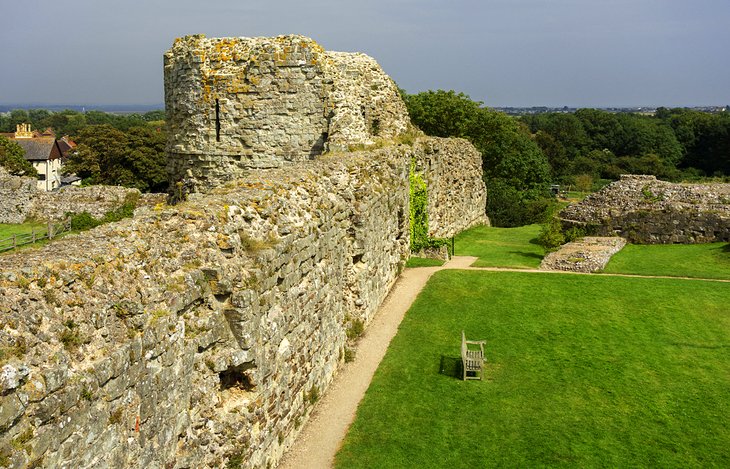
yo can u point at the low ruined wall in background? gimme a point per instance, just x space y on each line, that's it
645 210
95 200
16 194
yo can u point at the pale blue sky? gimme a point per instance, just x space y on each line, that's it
504 52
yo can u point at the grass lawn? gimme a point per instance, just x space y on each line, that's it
583 371
424 262
501 247
6 230
678 260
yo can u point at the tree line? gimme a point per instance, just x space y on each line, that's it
523 156
673 144
125 150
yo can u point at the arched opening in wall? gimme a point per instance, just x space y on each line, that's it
238 377
217 121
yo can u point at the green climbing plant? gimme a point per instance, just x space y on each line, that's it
419 214
419 211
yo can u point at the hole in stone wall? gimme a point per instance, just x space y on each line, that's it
375 127
222 297
357 258
217 121
238 377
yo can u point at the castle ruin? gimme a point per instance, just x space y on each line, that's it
194 335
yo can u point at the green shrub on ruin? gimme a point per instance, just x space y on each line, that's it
418 211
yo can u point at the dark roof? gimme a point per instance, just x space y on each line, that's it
64 146
37 148
69 179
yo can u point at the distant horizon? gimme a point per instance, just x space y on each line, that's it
147 107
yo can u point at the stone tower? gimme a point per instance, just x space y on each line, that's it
240 103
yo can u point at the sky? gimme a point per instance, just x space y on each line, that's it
576 53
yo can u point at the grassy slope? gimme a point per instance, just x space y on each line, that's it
7 231
637 376
423 262
501 247
680 260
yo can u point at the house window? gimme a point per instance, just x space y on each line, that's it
41 177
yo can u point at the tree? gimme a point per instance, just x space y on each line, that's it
12 158
516 171
106 155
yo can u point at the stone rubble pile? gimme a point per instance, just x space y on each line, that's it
589 254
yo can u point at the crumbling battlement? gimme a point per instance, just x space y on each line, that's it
645 210
240 103
185 336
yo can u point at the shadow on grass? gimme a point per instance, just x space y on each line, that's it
451 367
529 255
726 248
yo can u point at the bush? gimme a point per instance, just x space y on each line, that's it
83 221
551 235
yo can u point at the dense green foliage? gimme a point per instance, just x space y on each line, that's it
70 122
501 247
125 150
674 260
135 158
516 170
582 371
674 144
13 160
418 211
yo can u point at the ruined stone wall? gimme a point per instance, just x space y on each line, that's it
96 200
194 334
239 103
457 196
645 210
16 194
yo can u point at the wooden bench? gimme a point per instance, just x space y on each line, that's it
472 358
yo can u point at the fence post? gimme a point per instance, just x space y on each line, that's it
50 230
15 242
453 252
32 232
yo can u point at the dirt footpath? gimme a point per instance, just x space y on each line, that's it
323 433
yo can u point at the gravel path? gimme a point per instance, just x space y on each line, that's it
316 446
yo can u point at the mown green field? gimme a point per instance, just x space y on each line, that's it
583 371
423 262
501 247
7 230
675 260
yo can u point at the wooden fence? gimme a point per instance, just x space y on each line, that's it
50 231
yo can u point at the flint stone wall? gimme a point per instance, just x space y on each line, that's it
96 200
239 103
20 199
187 336
645 210
457 195
16 194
